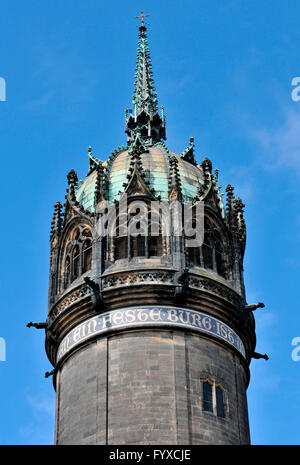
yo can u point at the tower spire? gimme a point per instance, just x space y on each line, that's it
145 119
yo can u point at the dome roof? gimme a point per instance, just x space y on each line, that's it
156 167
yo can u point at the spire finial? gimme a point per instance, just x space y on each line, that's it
145 120
142 17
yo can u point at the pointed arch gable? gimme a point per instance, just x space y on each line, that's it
75 254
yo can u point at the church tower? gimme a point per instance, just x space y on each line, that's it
148 331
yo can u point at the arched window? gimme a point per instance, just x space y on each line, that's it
220 257
153 246
213 398
141 245
78 255
212 255
194 255
154 239
147 243
207 400
67 272
87 256
138 246
121 247
103 251
220 402
207 251
76 262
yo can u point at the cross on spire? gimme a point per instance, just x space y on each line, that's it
142 16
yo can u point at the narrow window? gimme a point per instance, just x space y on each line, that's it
121 247
87 256
207 397
76 262
103 251
194 255
207 251
153 250
220 257
78 255
141 250
220 402
67 277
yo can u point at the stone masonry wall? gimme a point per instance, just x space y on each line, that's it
144 387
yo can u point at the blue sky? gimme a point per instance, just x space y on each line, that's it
223 71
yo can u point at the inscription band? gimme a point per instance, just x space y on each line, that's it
143 316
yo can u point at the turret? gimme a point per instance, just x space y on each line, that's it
149 335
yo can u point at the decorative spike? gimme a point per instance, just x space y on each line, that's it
230 208
57 222
239 210
94 162
144 100
72 177
217 175
206 166
73 182
175 192
99 186
229 199
137 147
188 153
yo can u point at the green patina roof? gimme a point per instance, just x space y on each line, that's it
155 166
85 192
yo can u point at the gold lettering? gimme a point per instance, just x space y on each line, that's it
206 321
230 337
129 314
181 317
89 324
62 349
106 320
77 334
117 317
223 331
155 314
196 316
172 315
142 316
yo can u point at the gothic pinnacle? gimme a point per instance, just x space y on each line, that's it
175 191
72 177
146 120
72 181
239 210
56 224
99 186
229 199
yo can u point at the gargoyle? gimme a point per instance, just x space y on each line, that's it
257 355
41 325
97 298
253 307
181 289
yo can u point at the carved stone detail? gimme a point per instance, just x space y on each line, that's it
218 289
69 299
139 277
